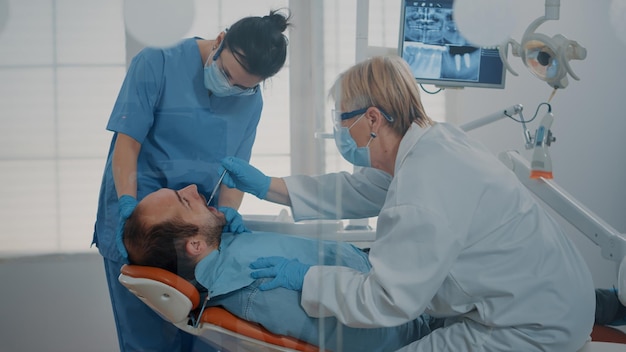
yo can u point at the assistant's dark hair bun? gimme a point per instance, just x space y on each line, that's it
279 19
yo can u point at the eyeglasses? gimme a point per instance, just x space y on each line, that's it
338 116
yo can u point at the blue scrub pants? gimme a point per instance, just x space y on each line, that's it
139 328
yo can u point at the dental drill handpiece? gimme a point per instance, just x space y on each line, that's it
217 185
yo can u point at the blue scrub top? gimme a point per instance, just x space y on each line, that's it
228 268
184 132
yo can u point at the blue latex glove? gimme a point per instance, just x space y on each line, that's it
287 273
245 177
126 205
234 221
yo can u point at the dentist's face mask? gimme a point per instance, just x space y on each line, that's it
359 156
217 82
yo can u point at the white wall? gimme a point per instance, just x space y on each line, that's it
589 154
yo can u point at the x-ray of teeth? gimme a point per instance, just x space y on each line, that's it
425 60
437 52
465 59
460 62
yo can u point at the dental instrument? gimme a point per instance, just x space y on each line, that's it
541 164
217 185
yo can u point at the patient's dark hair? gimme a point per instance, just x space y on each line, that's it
163 245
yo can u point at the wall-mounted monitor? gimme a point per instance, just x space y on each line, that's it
437 52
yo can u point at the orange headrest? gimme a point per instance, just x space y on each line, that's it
166 277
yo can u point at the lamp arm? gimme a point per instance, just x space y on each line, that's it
508 112
552 9
611 242
532 27
503 51
572 50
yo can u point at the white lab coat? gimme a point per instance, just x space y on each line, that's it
457 236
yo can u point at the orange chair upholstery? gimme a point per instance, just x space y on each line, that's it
603 333
221 317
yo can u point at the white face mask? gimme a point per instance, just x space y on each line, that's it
216 81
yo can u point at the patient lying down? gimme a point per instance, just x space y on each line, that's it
176 231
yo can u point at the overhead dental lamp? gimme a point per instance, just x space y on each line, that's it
546 57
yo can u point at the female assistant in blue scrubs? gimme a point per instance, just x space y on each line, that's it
179 112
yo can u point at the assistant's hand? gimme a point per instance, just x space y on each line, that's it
234 221
245 177
287 273
127 205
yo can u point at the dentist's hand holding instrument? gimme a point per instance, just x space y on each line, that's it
245 177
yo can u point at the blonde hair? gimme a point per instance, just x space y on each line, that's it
385 82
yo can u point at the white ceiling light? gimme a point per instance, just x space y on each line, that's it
158 23
485 23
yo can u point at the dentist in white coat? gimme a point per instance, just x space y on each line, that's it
458 236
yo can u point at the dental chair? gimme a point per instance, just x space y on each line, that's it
178 301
